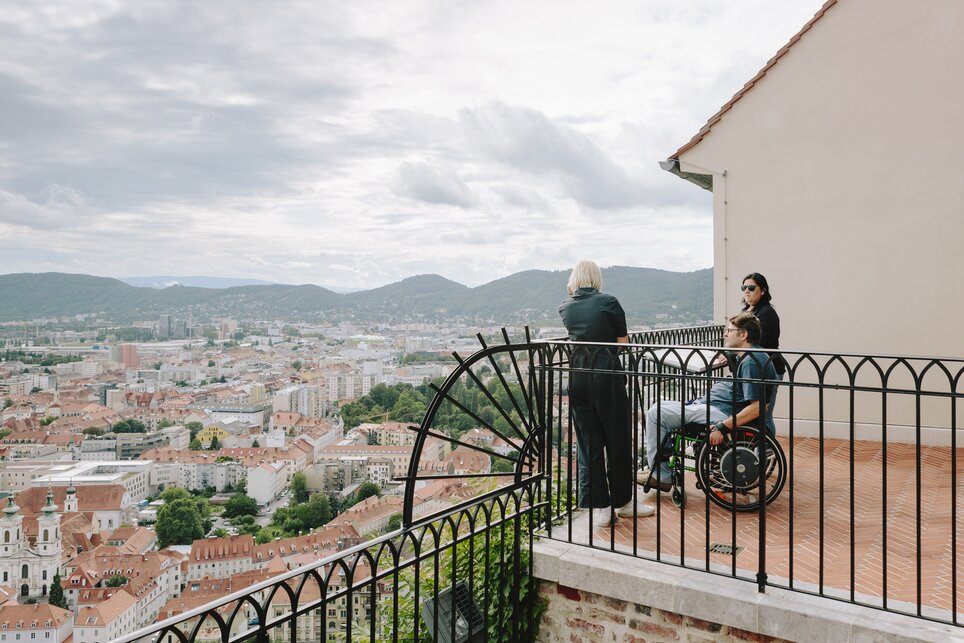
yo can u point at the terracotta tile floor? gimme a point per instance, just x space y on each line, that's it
796 556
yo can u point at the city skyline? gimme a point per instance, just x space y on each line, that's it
359 145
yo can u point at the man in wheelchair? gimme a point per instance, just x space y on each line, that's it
732 402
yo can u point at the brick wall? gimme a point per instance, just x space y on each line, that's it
575 616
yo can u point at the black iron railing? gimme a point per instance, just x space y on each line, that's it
473 561
866 456
710 336
866 447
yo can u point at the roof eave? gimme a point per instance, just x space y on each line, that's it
704 181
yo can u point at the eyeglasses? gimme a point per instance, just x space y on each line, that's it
750 287
727 331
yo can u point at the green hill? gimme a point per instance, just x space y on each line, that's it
647 295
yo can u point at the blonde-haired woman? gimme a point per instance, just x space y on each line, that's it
597 400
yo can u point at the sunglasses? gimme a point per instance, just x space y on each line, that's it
750 287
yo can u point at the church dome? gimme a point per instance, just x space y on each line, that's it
12 508
50 507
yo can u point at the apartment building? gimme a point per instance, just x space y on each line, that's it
267 481
122 446
219 558
150 579
371 515
15 386
349 471
107 620
193 469
18 475
308 627
38 622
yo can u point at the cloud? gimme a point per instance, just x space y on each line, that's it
526 139
421 181
61 207
354 144
522 197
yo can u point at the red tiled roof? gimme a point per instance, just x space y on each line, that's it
700 135
31 617
107 612
240 546
103 497
321 539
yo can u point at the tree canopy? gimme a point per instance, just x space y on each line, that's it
405 403
179 523
299 488
128 426
194 428
240 505
174 493
56 596
394 522
367 490
117 580
303 517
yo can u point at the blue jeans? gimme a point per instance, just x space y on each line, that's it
673 414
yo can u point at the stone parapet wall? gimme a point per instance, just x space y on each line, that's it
597 595
576 616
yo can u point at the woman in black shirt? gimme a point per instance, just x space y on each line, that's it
756 299
597 400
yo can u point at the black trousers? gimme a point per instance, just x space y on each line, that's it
600 415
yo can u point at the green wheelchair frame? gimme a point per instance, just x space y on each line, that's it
728 473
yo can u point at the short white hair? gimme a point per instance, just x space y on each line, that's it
586 274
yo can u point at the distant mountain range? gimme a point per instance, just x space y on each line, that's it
200 281
646 294
165 281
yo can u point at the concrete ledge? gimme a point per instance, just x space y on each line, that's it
727 601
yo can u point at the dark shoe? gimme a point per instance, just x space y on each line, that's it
654 483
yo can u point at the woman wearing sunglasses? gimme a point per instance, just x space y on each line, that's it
756 299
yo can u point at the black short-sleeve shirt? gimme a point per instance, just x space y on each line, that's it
591 316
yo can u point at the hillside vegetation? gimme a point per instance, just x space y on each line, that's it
647 295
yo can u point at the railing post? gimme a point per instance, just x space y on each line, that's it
761 574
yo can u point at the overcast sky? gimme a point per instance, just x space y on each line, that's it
357 143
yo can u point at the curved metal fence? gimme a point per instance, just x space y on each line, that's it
473 562
865 454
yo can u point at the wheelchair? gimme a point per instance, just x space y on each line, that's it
729 473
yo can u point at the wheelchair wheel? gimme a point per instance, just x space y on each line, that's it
678 494
730 473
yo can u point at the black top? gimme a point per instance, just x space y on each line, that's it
591 316
769 325
770 331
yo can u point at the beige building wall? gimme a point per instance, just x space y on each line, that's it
840 176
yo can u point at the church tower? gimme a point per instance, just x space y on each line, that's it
48 544
70 503
13 572
48 527
11 528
